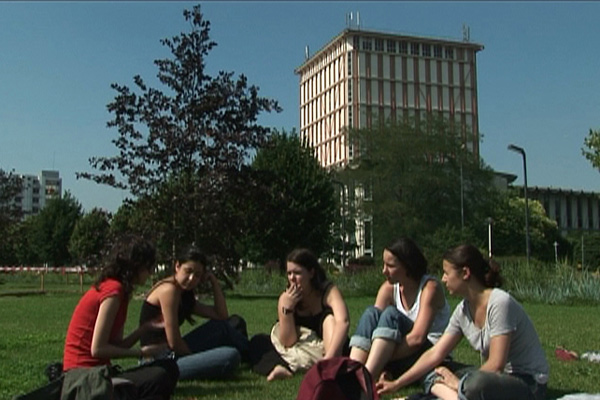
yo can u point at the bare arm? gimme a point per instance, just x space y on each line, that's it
285 311
169 298
218 310
498 356
101 345
428 360
385 296
335 300
432 299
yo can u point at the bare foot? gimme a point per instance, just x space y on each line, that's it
279 372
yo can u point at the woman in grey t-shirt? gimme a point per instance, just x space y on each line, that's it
513 365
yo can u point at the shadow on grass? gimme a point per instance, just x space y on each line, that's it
247 387
554 393
253 296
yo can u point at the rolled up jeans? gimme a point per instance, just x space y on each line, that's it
374 323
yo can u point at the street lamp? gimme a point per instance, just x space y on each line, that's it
343 212
521 151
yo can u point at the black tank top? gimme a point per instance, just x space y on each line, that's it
151 312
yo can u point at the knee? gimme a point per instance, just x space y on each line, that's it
231 361
392 318
473 385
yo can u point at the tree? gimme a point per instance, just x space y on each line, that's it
90 237
509 229
11 185
411 174
50 231
182 151
591 151
296 205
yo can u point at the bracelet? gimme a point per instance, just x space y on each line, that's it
286 311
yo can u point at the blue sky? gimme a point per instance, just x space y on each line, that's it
538 75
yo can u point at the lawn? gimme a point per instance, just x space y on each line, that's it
33 326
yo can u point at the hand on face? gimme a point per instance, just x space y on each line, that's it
292 296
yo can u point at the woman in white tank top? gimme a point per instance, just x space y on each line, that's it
409 315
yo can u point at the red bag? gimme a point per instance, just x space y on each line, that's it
338 378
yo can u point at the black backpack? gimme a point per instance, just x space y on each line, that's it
338 378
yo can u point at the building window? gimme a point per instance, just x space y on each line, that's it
378 44
349 91
368 226
426 50
349 63
356 42
414 49
450 53
391 46
367 45
403 47
437 51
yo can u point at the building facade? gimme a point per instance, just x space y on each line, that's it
37 190
572 210
362 78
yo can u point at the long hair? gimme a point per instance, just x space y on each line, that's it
487 272
411 257
307 260
127 258
190 253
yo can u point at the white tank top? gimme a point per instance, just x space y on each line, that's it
440 321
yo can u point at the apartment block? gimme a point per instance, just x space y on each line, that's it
37 190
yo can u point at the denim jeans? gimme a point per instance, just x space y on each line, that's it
388 324
217 350
478 385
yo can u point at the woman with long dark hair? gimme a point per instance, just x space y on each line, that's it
95 332
513 363
211 350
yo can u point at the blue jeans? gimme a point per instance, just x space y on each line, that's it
389 324
476 385
217 350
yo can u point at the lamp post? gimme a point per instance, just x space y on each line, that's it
343 212
521 151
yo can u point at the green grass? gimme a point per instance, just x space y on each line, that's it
32 331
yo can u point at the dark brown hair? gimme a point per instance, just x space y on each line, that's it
487 272
127 258
411 257
307 260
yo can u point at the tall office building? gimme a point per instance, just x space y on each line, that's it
361 78
37 190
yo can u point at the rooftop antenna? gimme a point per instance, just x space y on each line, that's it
306 52
466 31
357 20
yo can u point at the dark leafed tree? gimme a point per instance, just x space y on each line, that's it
11 185
297 204
183 148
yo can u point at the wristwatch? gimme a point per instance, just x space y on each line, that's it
286 311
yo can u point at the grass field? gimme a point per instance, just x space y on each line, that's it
33 326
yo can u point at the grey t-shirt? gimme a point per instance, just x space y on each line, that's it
504 315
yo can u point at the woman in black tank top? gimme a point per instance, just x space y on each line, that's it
212 350
309 301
